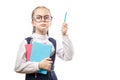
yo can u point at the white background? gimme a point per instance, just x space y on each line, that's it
94 28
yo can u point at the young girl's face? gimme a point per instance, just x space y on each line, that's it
41 20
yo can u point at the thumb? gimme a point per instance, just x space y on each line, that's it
49 59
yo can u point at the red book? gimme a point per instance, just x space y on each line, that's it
28 51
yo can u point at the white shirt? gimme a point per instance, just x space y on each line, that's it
65 52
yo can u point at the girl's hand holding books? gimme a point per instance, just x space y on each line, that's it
45 64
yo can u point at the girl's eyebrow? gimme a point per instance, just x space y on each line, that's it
42 15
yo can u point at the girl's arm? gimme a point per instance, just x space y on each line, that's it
21 65
65 52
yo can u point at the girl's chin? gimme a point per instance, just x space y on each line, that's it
43 28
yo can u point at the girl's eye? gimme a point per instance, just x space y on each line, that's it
47 17
38 17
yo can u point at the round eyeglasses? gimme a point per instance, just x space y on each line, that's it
40 18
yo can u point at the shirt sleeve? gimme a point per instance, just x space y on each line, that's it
65 49
23 66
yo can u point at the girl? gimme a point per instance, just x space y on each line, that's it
41 20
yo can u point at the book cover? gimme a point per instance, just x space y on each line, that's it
28 51
39 52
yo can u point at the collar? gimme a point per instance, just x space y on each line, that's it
39 36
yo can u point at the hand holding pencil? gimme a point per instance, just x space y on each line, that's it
64 25
64 28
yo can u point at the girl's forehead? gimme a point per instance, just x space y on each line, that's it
41 11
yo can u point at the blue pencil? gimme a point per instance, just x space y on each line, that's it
65 17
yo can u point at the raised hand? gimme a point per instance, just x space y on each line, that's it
64 28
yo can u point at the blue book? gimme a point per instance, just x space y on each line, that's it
39 52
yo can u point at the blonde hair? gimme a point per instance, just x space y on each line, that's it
37 8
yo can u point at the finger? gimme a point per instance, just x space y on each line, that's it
65 24
65 27
48 67
50 62
49 59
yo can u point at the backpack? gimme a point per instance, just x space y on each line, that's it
50 75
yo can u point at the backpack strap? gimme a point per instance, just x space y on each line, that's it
52 74
28 39
54 44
